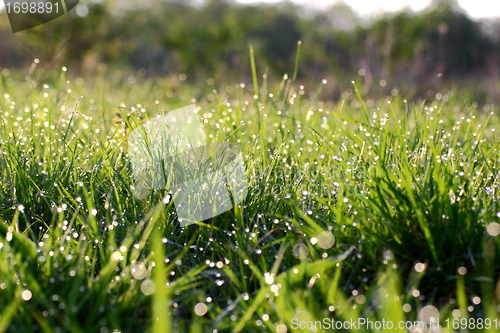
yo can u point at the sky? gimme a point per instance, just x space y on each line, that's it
475 8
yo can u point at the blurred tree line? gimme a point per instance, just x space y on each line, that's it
211 38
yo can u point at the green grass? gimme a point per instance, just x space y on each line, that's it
408 192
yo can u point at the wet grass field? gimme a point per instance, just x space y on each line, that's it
379 209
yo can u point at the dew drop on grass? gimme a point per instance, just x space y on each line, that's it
148 287
139 271
300 251
281 328
388 255
116 256
166 200
407 307
303 315
26 295
493 229
326 239
420 267
269 278
361 299
200 309
429 314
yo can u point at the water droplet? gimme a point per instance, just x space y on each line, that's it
139 271
388 255
116 256
420 267
269 278
281 328
326 239
429 314
493 229
200 309
300 251
26 295
148 287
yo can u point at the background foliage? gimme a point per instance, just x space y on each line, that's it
438 47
